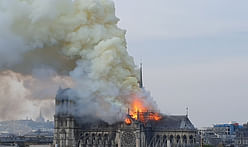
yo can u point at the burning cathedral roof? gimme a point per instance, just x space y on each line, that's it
147 118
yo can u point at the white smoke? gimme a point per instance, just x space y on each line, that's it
24 96
77 38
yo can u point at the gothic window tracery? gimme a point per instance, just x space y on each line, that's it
171 139
164 139
128 139
184 139
191 139
178 139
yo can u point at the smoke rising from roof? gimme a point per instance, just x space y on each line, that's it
79 40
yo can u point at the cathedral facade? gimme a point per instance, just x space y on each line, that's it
71 131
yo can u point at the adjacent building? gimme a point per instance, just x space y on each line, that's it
224 134
242 136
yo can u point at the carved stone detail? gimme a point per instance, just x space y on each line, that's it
128 139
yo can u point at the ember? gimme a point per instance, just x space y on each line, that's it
139 111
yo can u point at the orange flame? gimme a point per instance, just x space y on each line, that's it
137 107
139 111
128 121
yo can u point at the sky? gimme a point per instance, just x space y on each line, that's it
195 55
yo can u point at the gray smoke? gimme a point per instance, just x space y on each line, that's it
48 41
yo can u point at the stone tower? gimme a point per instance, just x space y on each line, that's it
64 123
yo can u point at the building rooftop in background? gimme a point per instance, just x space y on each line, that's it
22 127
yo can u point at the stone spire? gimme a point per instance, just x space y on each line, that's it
187 111
141 77
40 118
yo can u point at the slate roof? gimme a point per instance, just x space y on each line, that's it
168 122
173 122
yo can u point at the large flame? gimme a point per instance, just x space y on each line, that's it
140 111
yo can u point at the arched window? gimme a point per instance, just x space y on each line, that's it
164 139
191 139
87 141
105 138
184 139
99 139
171 139
157 138
93 138
178 139
86 137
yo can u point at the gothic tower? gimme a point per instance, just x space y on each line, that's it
64 122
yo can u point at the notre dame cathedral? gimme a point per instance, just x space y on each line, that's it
71 131
169 131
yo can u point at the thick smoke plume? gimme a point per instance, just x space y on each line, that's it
79 39
23 96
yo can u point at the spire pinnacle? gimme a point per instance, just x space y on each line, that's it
40 113
141 77
187 111
40 118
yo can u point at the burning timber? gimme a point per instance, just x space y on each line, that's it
138 129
